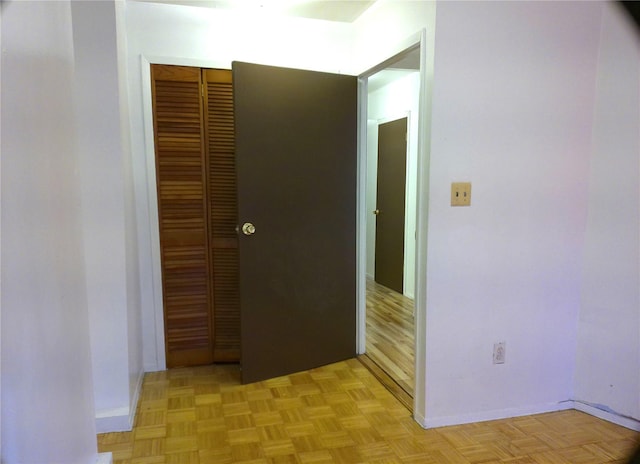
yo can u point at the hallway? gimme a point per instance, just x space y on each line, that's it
390 334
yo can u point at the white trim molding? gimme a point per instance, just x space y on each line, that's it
607 414
113 420
483 416
588 408
133 404
414 41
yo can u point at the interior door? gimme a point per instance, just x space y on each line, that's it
390 204
296 164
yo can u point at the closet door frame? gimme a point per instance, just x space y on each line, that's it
153 326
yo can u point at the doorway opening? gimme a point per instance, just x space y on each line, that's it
220 162
390 190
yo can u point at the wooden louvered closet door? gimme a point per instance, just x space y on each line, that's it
220 143
195 170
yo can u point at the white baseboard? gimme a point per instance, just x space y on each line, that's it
153 368
104 458
120 419
429 423
420 419
609 416
133 405
113 420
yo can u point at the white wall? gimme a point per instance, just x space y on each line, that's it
110 258
47 401
212 38
512 97
607 373
396 100
512 113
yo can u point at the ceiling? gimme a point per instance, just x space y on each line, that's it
405 64
329 10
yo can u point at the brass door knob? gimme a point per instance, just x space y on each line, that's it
376 211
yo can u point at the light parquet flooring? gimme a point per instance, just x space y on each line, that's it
390 334
335 414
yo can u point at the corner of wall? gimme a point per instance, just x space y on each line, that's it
120 419
606 378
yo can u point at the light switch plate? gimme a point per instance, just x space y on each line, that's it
460 193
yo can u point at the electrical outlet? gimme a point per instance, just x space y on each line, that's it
460 193
499 352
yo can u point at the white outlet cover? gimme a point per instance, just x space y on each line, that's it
499 352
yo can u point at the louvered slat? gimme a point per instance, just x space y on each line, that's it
220 138
182 211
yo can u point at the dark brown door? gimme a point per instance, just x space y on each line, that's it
390 204
296 165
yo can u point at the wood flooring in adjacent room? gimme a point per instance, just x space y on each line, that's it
335 414
390 334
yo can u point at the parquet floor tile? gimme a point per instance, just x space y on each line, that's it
336 414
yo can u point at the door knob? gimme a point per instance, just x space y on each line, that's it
248 228
376 211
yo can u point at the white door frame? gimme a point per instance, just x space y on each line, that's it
156 313
417 40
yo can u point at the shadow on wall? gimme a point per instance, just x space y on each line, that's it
633 8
